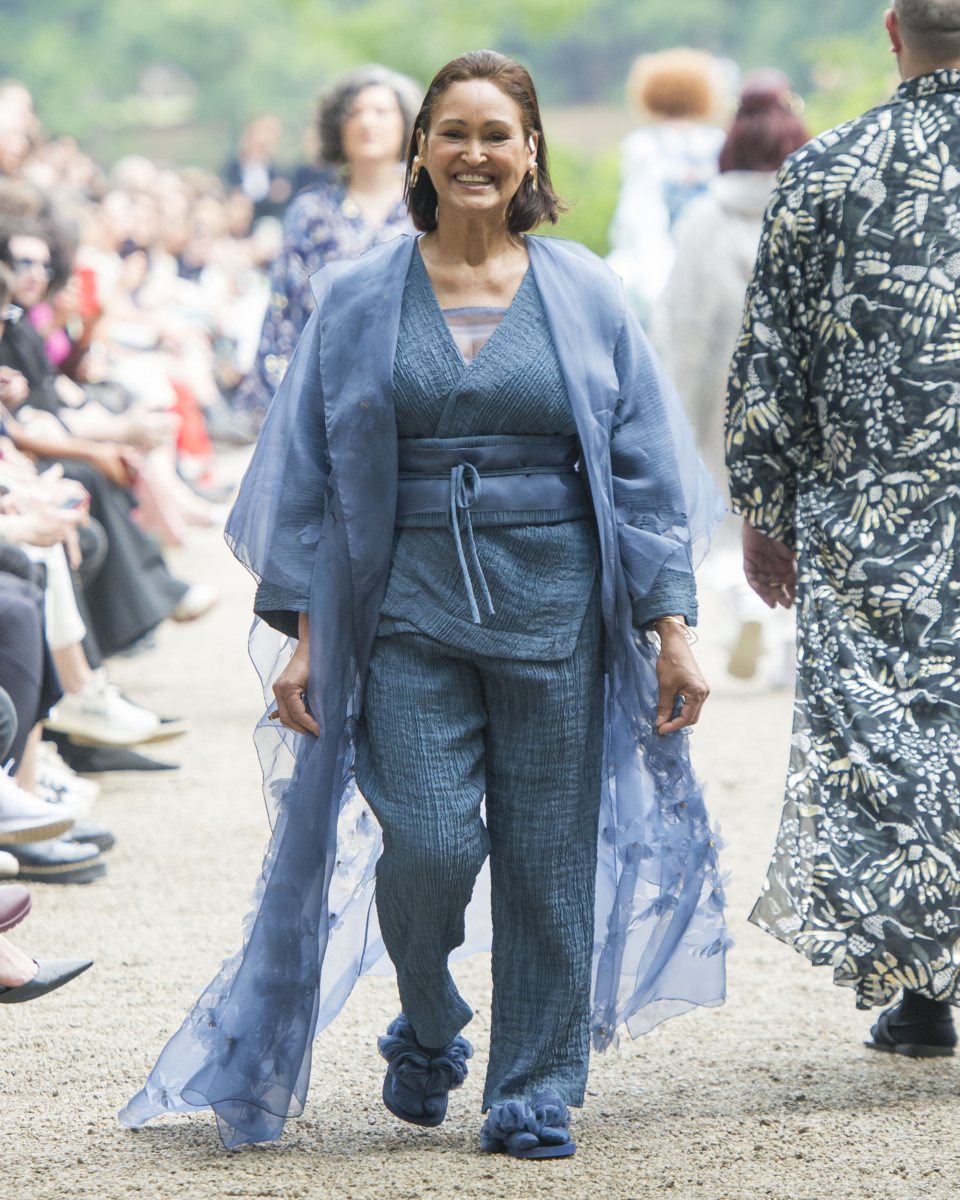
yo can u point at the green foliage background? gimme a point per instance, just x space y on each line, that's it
85 62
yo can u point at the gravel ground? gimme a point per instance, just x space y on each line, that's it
772 1095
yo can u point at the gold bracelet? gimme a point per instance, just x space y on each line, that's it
688 633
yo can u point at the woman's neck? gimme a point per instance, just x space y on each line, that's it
473 241
376 187
474 261
375 177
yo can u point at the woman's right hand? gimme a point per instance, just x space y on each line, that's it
291 685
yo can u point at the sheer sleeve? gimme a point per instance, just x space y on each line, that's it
274 526
667 506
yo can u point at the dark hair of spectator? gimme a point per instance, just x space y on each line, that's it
767 126
7 284
60 241
337 101
529 208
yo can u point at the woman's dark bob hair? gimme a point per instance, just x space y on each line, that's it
337 101
529 208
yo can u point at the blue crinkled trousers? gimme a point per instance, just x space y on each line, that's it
442 728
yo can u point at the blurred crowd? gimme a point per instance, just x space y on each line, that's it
131 306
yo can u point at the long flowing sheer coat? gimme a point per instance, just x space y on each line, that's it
315 515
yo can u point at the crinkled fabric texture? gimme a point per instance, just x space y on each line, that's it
540 571
316 230
843 442
525 739
315 515
540 575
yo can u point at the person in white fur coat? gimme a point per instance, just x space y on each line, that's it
697 319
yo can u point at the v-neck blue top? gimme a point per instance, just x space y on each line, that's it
540 566
540 571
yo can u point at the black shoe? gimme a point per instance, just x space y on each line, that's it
931 1036
170 727
91 760
50 975
58 861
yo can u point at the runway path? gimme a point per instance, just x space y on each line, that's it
770 1096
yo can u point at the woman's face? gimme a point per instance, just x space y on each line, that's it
31 262
373 128
476 153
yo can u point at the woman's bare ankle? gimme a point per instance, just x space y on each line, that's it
15 967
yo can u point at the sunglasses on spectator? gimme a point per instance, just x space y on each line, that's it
11 314
23 265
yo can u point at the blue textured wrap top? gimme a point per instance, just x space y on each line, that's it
540 565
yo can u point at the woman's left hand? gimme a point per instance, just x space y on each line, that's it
678 675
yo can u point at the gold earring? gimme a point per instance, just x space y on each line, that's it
533 176
417 160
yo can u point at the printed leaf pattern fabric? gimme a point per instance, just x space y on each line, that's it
321 225
843 440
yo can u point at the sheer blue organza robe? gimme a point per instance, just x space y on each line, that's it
329 446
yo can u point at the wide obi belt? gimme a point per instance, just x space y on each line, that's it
510 480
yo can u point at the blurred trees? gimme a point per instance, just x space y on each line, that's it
588 60
93 64
89 61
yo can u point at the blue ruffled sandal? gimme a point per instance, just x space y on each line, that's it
419 1081
535 1128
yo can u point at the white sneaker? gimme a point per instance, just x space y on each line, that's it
27 818
57 784
8 865
99 714
197 600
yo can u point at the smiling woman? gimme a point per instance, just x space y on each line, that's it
473 503
509 144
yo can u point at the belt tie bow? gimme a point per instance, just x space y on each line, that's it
464 492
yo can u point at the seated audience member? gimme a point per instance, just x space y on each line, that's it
134 590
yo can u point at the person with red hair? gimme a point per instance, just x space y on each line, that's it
696 323
664 166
